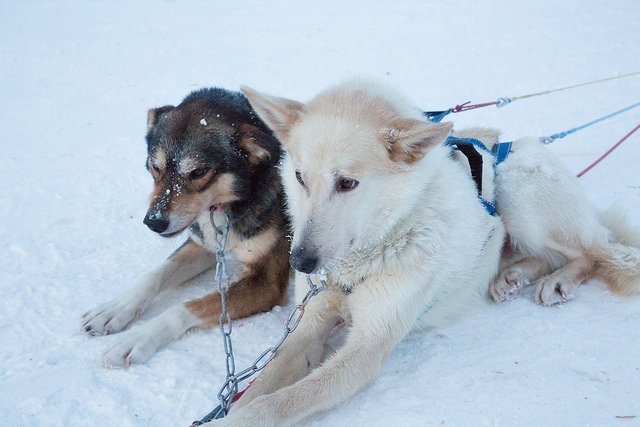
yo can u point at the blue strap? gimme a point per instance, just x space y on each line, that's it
488 206
452 140
500 151
437 116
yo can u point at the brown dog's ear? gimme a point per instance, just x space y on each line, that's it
409 139
252 142
278 113
154 114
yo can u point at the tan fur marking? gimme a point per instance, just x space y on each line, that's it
159 158
409 140
188 164
247 143
261 286
251 250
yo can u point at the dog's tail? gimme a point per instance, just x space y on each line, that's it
618 260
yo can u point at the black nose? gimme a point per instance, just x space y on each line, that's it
157 224
303 261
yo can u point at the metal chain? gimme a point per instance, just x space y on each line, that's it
229 389
221 233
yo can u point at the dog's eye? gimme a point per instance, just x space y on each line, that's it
198 173
152 166
346 184
299 178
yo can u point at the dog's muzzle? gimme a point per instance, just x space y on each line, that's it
303 261
155 223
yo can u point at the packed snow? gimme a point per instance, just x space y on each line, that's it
76 80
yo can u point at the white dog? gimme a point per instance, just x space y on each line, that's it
393 217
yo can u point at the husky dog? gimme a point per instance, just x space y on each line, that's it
393 217
377 201
211 152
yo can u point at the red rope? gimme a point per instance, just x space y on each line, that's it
609 151
240 393
465 107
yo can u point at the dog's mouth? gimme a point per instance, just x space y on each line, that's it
172 233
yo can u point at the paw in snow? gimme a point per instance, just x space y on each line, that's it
508 285
134 346
138 344
554 289
110 317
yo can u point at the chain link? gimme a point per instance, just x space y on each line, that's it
221 234
229 389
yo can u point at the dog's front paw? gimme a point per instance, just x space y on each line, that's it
110 317
134 346
551 290
507 285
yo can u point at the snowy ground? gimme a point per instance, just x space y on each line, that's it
76 79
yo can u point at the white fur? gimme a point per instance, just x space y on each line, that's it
557 239
411 246
140 343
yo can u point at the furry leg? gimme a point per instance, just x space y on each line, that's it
304 349
253 293
559 286
185 263
371 337
518 275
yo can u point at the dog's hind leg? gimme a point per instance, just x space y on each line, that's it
185 263
521 273
259 288
559 286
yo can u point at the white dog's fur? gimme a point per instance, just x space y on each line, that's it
411 245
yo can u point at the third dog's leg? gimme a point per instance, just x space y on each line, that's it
516 276
185 263
559 286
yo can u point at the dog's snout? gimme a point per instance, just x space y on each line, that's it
156 223
303 260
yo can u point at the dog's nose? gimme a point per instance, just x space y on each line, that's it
303 261
155 223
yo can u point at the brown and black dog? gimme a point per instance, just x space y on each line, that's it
211 152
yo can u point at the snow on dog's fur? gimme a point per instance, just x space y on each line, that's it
378 202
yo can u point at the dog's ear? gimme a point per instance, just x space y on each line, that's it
153 115
278 113
257 145
408 140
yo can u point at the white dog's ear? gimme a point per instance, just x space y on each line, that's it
278 113
408 140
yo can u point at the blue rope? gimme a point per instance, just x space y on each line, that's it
551 138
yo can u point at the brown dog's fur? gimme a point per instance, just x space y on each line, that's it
211 152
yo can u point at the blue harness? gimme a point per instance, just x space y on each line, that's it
469 147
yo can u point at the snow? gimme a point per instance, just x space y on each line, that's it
76 80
